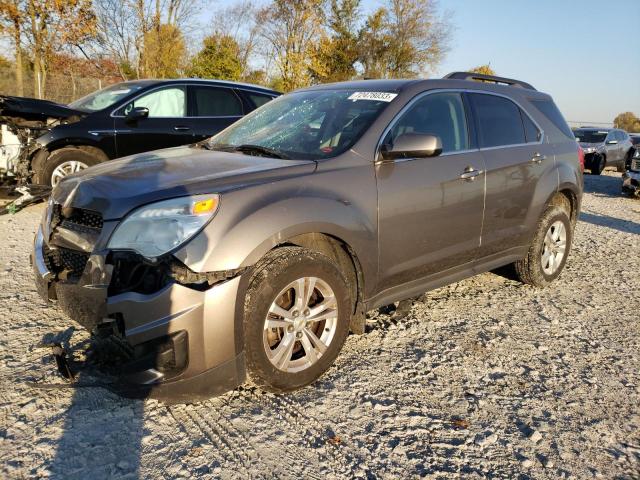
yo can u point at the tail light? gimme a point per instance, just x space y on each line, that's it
581 158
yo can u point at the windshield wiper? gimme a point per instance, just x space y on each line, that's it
269 152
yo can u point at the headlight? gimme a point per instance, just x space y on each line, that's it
158 228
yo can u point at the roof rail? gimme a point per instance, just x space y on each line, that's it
488 78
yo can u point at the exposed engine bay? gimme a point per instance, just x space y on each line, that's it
22 121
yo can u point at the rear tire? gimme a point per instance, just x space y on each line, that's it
599 164
531 269
65 160
627 160
281 354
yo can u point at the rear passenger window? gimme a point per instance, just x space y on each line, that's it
531 132
216 102
440 114
499 121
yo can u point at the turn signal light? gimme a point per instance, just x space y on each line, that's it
205 206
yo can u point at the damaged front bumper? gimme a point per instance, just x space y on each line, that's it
181 335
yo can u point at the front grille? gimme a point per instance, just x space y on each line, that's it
68 263
65 261
635 164
76 216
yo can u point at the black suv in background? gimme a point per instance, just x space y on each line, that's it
120 120
604 147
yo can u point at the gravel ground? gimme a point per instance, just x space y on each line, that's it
485 377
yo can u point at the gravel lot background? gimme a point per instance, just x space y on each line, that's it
485 377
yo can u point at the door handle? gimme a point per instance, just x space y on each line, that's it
181 128
470 174
538 158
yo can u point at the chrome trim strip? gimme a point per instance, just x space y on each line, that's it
457 90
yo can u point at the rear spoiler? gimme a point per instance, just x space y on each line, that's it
488 78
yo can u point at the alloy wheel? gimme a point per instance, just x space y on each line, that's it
300 325
555 245
65 169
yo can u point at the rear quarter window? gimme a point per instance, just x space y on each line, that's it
549 110
258 99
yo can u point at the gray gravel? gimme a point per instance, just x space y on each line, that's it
485 377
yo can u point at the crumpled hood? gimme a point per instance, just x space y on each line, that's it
32 109
116 187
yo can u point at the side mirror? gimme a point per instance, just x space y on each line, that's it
612 142
412 145
137 113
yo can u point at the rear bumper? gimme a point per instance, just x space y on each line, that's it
631 182
184 339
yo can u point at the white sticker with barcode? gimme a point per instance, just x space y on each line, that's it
377 96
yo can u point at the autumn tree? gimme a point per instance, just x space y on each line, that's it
405 38
52 25
125 25
627 121
374 43
483 70
290 29
11 20
220 58
239 22
164 52
336 53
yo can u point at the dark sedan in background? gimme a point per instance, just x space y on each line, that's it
120 120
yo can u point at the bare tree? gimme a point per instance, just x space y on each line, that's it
419 36
11 19
49 26
117 28
239 21
290 28
404 39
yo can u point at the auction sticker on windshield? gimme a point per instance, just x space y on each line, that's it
378 96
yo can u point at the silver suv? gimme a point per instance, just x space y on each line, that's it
250 256
604 147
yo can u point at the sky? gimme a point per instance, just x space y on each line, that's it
586 53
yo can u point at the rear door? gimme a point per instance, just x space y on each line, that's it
212 109
166 126
516 156
429 218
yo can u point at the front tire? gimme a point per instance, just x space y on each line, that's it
63 162
549 250
599 164
296 318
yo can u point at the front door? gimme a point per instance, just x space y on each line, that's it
429 217
166 126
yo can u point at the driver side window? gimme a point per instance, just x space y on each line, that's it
440 114
168 102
